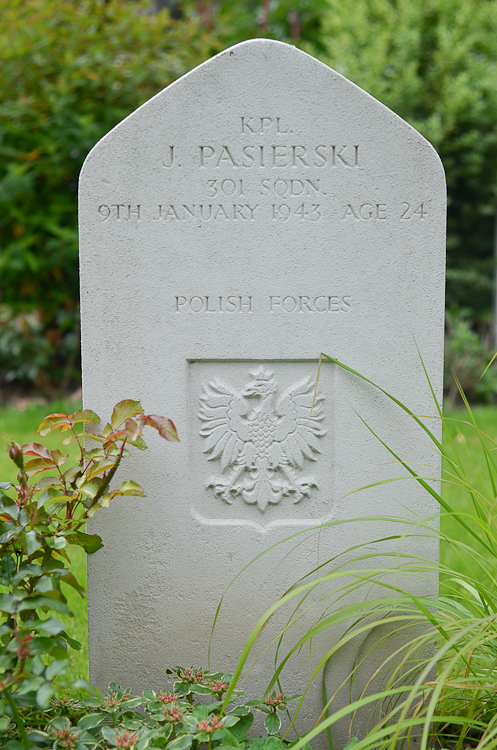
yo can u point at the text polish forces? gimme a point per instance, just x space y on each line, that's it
212 303
303 303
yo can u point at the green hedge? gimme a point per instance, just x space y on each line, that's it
69 72
434 62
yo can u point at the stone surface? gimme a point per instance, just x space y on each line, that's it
258 211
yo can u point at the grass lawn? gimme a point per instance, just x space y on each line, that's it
22 425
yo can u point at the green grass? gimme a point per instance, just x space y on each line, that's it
21 425
468 446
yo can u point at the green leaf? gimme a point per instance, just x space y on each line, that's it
200 689
8 603
90 542
240 711
100 467
242 726
229 739
4 723
44 694
71 580
125 410
181 743
51 626
109 734
58 666
273 743
138 443
71 474
4 486
350 744
90 721
56 542
30 542
272 722
231 720
132 488
200 711
44 584
66 439
90 489
91 436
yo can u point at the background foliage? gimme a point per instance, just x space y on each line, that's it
71 71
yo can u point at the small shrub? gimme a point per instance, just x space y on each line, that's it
39 518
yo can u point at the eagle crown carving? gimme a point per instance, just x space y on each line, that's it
261 440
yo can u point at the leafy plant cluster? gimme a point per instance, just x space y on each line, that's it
39 519
173 720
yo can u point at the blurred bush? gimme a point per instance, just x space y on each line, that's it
467 354
70 71
434 62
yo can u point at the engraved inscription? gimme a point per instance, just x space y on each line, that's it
233 189
278 156
212 303
261 439
307 303
276 303
205 212
262 125
413 212
366 211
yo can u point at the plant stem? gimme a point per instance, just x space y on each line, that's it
19 722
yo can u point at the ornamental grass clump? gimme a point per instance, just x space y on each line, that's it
437 685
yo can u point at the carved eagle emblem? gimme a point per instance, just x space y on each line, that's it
261 439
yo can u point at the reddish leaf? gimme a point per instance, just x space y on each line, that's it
132 428
52 422
35 449
164 426
58 458
84 415
38 465
123 411
99 468
91 436
42 484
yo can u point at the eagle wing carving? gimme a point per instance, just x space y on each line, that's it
222 410
299 424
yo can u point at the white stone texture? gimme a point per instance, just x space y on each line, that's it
258 211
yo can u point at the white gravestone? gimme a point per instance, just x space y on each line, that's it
258 211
